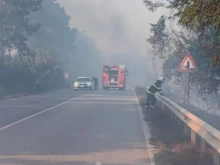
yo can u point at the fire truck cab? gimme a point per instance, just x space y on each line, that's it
114 77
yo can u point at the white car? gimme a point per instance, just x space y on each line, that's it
82 83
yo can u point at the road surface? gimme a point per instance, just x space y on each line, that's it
72 128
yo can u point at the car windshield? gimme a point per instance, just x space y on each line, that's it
83 79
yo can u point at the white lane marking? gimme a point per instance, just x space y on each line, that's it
98 163
22 106
24 96
93 102
108 96
146 133
38 113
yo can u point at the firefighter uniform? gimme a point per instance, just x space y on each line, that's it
97 84
154 88
95 81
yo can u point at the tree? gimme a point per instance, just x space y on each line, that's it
48 70
190 13
206 78
54 36
15 26
201 13
200 23
37 46
159 37
152 5
86 58
158 41
55 32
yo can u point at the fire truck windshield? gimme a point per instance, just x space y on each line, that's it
113 73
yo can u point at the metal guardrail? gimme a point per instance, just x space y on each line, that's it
206 132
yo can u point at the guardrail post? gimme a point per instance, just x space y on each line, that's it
216 159
193 137
202 145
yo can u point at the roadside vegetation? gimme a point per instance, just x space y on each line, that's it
171 145
191 27
37 45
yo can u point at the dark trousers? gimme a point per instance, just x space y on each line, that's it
96 85
151 100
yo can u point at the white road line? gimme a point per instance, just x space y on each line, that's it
93 102
98 163
22 106
146 133
36 114
108 96
31 95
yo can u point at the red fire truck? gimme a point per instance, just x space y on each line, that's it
114 77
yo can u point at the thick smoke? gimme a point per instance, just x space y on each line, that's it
119 29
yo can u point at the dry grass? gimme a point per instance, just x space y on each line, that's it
182 154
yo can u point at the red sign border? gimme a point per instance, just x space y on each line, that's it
183 61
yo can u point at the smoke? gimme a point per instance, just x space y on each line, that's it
118 28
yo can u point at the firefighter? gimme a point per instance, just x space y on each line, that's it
97 84
154 88
95 80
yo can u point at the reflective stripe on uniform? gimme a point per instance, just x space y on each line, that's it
155 86
158 88
149 92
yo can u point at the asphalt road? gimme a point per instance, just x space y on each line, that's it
73 128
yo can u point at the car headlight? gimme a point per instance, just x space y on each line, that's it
89 83
76 84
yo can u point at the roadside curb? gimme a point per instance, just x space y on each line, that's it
146 130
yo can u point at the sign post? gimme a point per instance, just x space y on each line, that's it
66 75
188 65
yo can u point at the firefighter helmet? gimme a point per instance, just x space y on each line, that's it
161 78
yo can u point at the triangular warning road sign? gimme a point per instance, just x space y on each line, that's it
188 64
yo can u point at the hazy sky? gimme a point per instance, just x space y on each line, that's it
116 26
